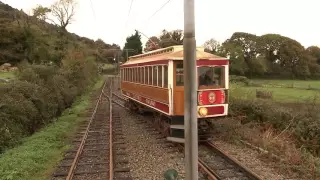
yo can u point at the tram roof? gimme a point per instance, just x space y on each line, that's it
171 53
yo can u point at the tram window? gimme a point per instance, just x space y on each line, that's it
150 75
211 77
179 74
126 74
160 76
154 82
138 75
145 75
142 75
129 73
122 74
165 76
134 75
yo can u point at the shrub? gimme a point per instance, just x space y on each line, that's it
239 79
41 93
302 120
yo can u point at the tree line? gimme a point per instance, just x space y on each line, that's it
267 56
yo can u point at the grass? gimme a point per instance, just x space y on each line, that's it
281 90
38 154
289 83
7 75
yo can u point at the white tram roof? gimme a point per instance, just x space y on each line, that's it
171 53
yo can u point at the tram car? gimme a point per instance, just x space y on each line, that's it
154 82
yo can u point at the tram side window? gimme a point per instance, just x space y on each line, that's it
179 74
126 74
122 74
145 75
154 82
165 76
160 76
138 74
150 75
134 74
142 75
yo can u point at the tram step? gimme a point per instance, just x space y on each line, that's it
174 139
177 126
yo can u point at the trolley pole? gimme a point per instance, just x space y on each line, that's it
190 92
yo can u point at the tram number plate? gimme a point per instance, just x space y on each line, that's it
150 102
137 97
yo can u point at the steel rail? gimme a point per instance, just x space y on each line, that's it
118 96
79 151
110 137
231 160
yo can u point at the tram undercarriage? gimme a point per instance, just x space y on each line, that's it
172 127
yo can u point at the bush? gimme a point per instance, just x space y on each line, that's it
239 79
302 120
40 94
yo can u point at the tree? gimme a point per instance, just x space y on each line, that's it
62 10
314 51
172 38
133 45
152 44
248 43
212 46
293 58
41 12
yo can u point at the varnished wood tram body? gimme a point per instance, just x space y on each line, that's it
154 82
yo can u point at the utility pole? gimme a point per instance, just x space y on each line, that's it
190 92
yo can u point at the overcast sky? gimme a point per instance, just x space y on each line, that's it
297 19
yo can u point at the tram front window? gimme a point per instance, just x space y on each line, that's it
211 77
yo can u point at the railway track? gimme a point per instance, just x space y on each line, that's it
99 147
213 162
218 165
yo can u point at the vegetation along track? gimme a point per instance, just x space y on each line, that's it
213 162
99 147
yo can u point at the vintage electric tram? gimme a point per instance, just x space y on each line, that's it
154 82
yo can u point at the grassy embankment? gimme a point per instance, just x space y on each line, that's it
287 126
37 156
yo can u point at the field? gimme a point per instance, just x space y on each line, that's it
282 90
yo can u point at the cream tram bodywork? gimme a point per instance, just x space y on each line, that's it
154 81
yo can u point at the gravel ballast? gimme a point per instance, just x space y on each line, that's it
149 156
250 158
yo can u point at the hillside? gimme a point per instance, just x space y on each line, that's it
54 68
24 37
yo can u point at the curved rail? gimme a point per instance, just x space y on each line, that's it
79 151
245 171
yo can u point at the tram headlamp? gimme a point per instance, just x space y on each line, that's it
203 111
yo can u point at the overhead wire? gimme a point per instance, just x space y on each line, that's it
94 15
158 10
